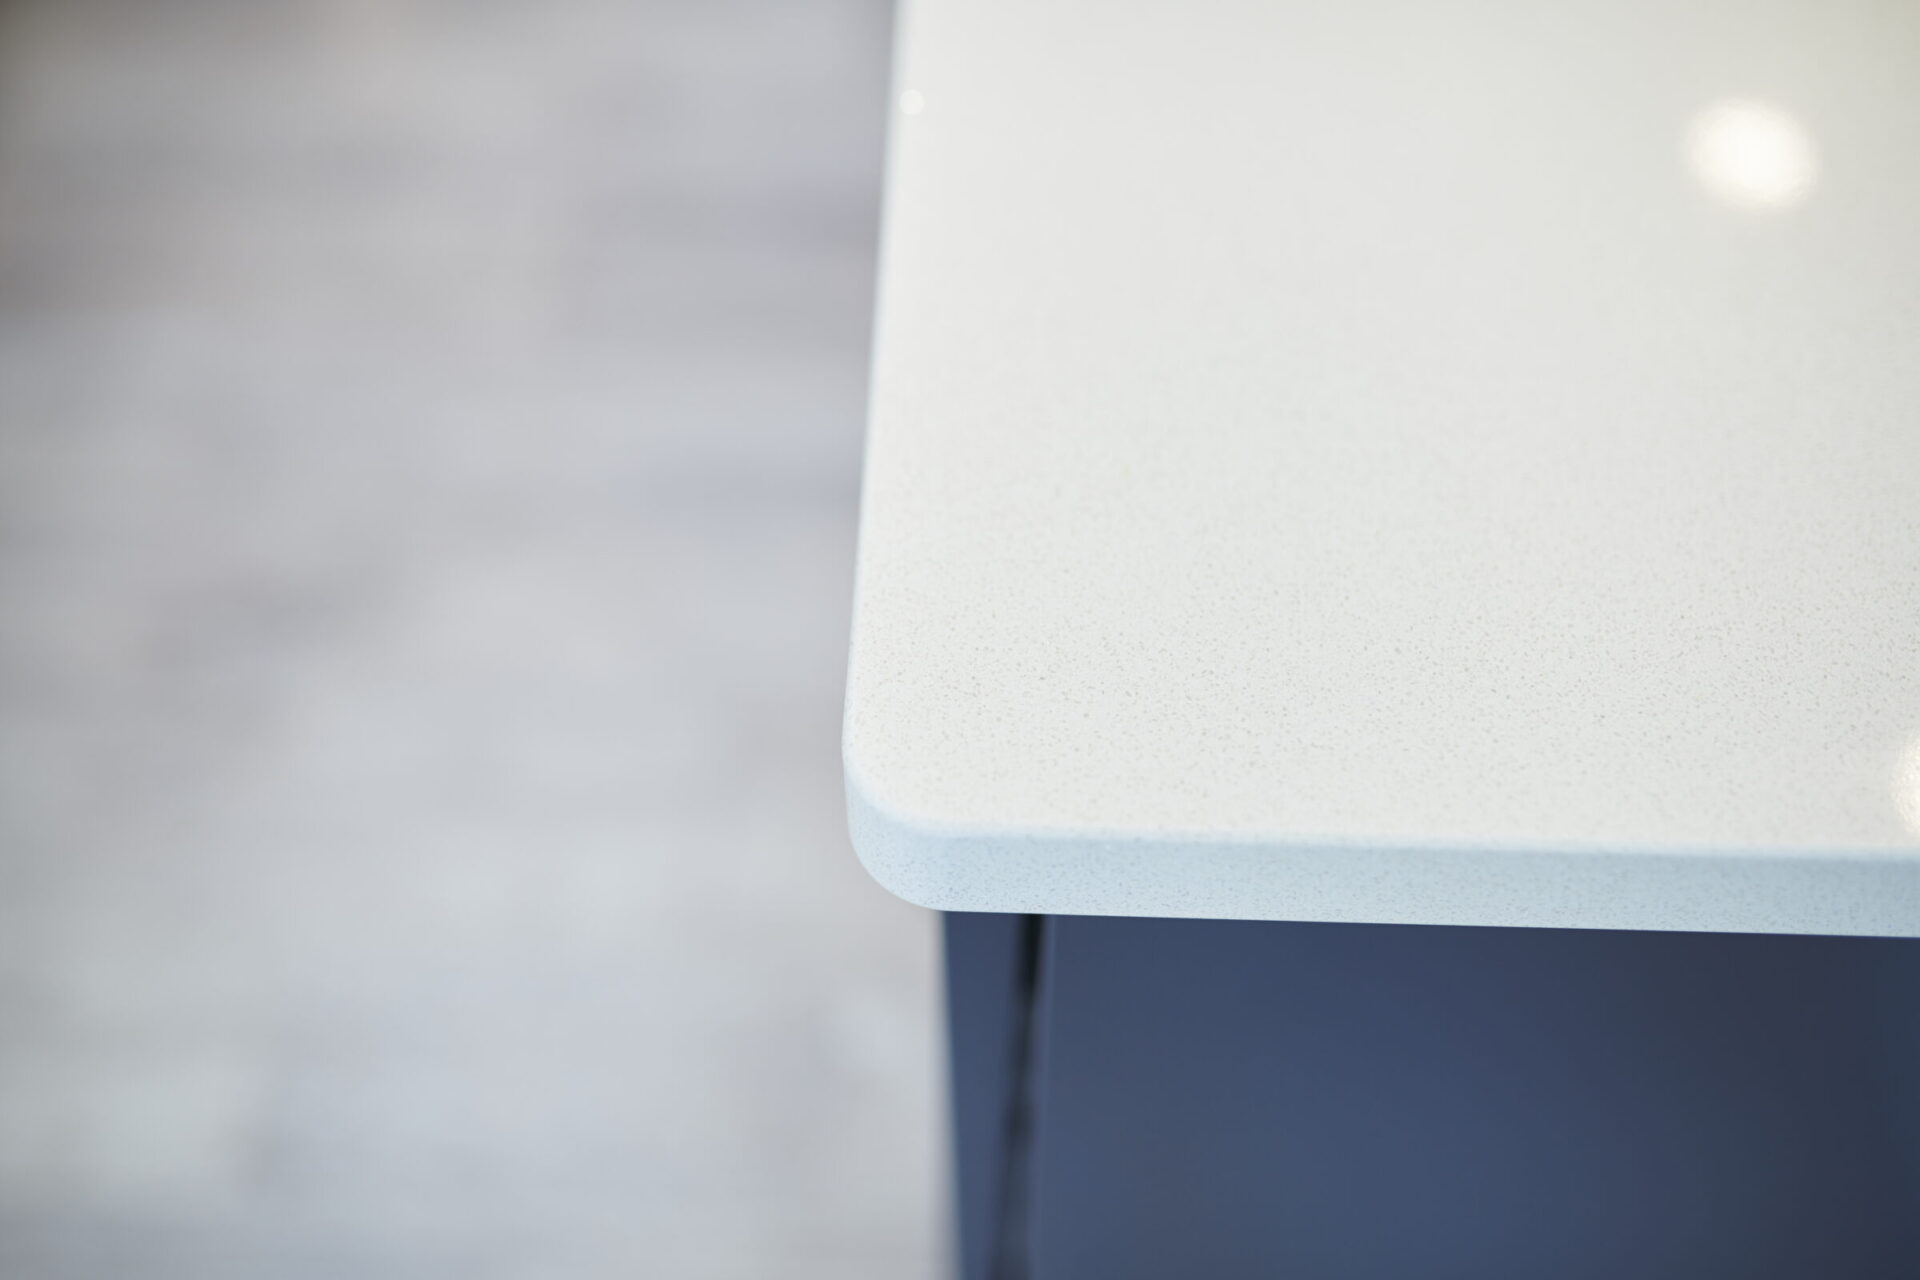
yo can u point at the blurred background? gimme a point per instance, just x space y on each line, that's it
429 434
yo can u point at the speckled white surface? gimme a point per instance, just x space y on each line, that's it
1376 461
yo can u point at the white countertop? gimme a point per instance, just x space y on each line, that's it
1443 462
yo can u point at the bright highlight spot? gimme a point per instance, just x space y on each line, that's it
1906 785
912 102
1751 154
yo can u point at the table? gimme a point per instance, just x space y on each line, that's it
1351 465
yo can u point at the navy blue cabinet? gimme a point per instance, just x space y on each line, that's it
1160 1098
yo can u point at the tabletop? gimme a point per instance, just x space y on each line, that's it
1356 460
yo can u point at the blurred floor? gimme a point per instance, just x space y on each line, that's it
428 448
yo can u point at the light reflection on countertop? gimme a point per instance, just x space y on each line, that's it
1751 154
1906 785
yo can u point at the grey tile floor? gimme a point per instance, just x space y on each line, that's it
428 451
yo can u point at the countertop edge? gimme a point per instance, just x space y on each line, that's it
1063 873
